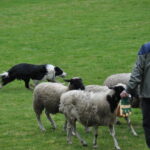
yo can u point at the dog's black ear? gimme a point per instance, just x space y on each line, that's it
57 68
58 71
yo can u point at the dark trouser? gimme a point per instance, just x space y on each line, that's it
146 119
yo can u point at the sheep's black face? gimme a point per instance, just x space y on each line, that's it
119 89
76 83
114 99
59 72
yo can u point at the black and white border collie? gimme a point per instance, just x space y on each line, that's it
26 72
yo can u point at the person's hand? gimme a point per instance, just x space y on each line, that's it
124 94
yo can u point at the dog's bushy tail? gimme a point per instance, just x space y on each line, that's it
3 75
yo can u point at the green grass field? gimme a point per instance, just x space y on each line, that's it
87 38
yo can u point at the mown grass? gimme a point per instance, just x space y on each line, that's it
91 39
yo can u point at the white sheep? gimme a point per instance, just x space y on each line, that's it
47 96
98 88
117 78
135 100
123 78
91 109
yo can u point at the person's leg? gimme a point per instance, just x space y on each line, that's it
146 119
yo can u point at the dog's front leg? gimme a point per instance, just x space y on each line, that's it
27 83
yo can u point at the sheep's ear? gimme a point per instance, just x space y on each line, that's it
66 80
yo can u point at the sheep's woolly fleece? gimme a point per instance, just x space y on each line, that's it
48 94
117 78
87 107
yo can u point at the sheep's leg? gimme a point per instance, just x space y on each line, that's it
69 132
74 132
65 125
95 137
51 120
74 129
130 126
39 122
71 127
87 129
83 142
118 121
112 132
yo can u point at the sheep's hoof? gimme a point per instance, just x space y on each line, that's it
54 128
69 142
73 133
118 122
84 143
43 130
118 148
87 129
95 146
135 134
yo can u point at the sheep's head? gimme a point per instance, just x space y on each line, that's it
118 88
75 83
114 97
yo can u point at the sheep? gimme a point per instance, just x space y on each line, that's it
117 78
91 109
135 100
123 78
98 88
47 96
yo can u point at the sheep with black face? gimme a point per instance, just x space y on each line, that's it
91 109
100 88
47 96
